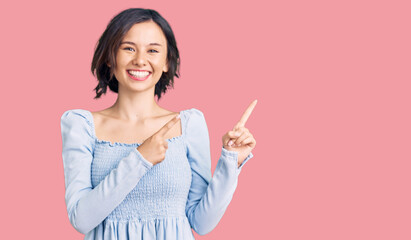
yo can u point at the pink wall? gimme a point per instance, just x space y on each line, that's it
332 123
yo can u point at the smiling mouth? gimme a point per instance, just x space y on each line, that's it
138 75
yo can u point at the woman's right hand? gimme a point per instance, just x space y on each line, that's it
154 148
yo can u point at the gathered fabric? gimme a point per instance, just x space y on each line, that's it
112 192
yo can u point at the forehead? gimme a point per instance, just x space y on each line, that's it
145 33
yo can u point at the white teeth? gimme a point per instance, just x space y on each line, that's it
139 74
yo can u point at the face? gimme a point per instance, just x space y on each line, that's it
141 58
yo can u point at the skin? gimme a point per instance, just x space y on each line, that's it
127 115
240 139
154 124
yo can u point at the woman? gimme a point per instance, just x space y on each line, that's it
136 170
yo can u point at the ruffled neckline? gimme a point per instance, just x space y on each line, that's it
112 144
129 144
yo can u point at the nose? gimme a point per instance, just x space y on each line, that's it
139 59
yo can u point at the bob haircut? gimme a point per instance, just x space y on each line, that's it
109 43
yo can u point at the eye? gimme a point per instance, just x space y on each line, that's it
127 48
153 50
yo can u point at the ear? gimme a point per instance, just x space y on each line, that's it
108 64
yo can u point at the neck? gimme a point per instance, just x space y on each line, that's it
132 106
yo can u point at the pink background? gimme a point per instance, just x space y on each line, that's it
333 121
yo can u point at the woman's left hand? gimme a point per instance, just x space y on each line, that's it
240 139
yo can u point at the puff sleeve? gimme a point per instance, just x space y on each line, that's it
87 207
208 197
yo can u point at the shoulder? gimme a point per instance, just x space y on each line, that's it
193 121
77 130
192 116
79 116
192 113
76 112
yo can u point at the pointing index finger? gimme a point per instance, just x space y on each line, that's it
168 125
246 115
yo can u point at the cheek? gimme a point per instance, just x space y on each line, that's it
121 59
120 65
160 63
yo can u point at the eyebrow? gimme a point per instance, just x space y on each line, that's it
131 43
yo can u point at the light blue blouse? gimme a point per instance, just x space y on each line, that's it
112 192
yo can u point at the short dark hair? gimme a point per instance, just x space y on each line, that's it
109 42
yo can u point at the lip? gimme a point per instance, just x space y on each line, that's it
136 78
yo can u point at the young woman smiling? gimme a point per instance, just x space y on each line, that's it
136 170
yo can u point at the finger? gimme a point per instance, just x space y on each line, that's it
246 115
245 142
230 137
162 132
252 143
249 141
240 130
243 136
233 134
227 141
